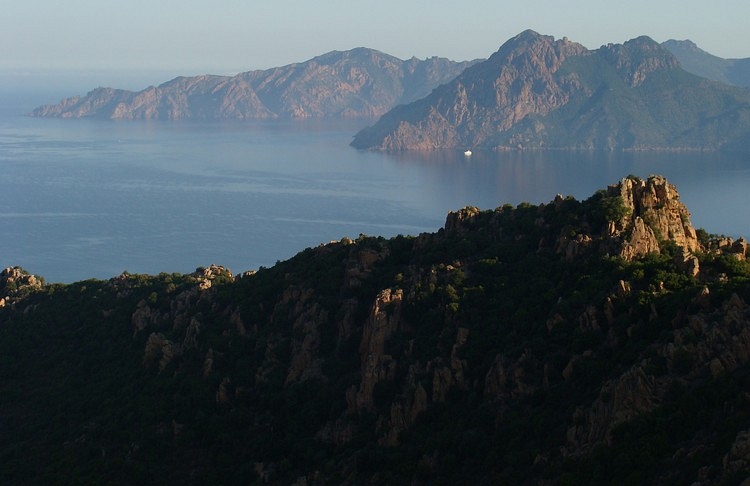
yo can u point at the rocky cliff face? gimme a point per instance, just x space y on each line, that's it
538 92
641 216
351 84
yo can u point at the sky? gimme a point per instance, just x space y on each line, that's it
131 44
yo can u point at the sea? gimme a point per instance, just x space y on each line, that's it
82 198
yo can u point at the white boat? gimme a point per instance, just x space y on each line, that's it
467 153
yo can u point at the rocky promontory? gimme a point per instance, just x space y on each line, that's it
359 83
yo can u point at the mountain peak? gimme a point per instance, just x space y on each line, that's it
518 81
686 44
357 53
638 57
529 35
529 38
538 92
641 40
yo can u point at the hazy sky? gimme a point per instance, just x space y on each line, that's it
229 36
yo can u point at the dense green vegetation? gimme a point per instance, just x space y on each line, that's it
502 362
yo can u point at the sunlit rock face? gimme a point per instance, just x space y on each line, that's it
655 213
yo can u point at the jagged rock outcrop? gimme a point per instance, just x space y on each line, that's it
641 215
634 393
653 213
636 217
351 84
15 283
207 275
729 246
447 376
536 92
457 222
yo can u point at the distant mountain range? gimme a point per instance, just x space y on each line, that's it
351 84
541 93
697 61
535 92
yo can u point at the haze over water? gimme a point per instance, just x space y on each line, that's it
89 199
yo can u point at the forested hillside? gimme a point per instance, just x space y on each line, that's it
603 341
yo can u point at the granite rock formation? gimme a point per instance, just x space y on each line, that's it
15 283
641 216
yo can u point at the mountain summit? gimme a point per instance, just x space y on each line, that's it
541 93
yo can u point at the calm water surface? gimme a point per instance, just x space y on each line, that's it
88 199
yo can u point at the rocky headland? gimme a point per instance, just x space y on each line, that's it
359 83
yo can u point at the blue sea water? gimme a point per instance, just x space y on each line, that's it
89 199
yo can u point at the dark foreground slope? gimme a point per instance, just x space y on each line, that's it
576 342
536 92
350 84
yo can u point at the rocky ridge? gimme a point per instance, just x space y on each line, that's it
360 83
539 344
